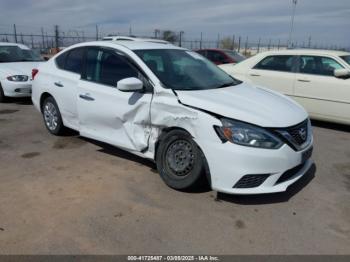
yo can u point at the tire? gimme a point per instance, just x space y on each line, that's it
52 117
180 162
2 96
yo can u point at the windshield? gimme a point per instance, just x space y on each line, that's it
185 70
235 56
346 58
10 54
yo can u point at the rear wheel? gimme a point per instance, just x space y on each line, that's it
179 160
52 117
2 96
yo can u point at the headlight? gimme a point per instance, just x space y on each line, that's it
247 135
18 78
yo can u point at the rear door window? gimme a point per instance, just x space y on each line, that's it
74 60
283 63
61 60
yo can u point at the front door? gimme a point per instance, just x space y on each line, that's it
107 114
319 91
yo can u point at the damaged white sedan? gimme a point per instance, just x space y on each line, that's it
175 107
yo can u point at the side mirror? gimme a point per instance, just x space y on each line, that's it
131 84
342 73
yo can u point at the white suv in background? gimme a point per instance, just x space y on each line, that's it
16 64
175 107
318 79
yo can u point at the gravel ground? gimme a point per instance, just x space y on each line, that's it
70 195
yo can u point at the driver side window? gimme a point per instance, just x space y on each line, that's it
106 67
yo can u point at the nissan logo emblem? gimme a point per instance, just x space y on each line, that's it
302 133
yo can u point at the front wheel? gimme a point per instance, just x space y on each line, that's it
52 117
180 162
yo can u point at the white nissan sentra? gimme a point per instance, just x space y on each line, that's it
175 107
16 64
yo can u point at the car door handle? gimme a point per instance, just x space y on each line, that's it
59 84
304 80
86 97
254 75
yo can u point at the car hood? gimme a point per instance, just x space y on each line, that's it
246 103
17 68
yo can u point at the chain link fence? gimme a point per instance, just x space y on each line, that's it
48 40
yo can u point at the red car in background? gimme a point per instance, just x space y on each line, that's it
221 56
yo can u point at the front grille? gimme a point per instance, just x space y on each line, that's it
289 174
297 135
250 181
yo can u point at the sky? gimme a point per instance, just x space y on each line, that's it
326 21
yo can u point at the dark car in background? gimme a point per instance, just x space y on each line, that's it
222 56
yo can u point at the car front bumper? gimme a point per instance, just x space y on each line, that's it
237 169
17 89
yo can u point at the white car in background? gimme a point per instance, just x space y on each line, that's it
16 64
175 107
131 38
319 80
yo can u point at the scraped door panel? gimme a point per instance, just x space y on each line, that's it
118 118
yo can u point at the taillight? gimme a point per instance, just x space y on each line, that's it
34 73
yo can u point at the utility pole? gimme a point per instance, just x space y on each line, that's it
15 32
233 42
96 32
246 47
47 41
57 35
180 38
309 44
130 31
218 43
42 37
31 37
259 45
200 43
292 23
239 44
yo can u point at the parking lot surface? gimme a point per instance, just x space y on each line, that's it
70 195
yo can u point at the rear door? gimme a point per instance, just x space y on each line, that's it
107 114
276 72
319 91
65 83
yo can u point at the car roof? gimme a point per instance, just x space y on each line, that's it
132 45
14 44
306 52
